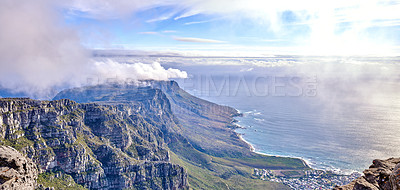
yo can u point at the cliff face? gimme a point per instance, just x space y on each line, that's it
151 103
101 147
381 175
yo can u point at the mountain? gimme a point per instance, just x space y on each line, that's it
381 175
214 155
151 135
196 119
100 147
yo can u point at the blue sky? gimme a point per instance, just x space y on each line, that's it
287 26
45 42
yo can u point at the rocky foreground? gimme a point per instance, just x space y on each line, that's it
381 175
16 171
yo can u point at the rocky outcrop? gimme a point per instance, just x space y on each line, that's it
381 175
100 146
16 171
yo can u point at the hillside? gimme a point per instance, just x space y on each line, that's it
200 134
100 147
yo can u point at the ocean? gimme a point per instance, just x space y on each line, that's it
337 114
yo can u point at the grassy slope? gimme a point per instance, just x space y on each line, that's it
219 173
58 182
211 172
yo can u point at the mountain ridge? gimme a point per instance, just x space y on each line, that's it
157 124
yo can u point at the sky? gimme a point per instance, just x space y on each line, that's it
309 27
48 44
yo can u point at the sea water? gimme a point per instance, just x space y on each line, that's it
337 117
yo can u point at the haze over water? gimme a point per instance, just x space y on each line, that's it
352 118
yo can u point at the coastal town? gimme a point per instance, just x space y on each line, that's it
308 180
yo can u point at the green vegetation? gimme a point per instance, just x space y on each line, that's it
268 162
58 180
210 172
18 144
74 115
216 175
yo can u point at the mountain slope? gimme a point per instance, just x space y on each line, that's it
199 133
101 147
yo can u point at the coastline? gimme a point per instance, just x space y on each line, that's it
306 162
252 148
309 176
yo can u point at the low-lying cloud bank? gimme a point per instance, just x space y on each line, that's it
38 53
124 72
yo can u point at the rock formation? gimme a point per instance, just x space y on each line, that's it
381 175
16 171
101 147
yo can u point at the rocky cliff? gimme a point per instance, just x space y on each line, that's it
99 146
16 171
381 175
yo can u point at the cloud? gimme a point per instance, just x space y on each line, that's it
124 72
162 17
150 33
246 69
341 10
189 13
169 31
40 54
339 27
37 50
197 40
107 9
198 22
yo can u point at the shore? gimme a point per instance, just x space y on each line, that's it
252 148
311 178
306 162
240 135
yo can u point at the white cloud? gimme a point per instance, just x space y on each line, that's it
169 31
323 18
202 22
110 69
197 40
150 33
40 53
246 69
107 9
37 50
